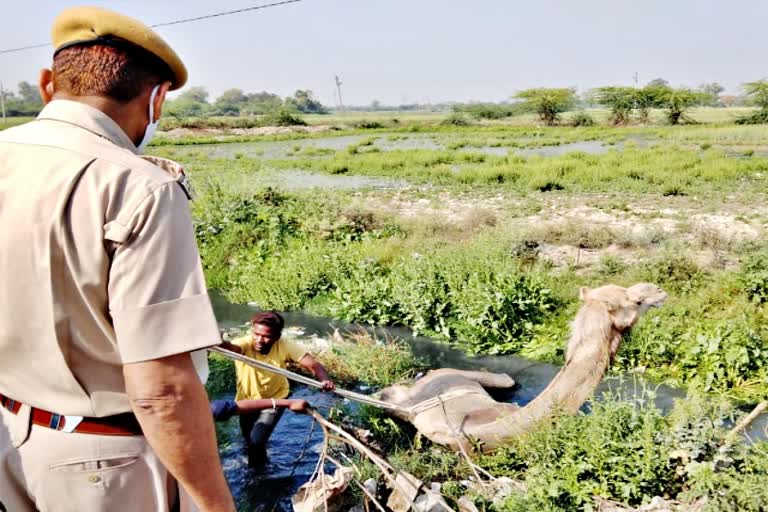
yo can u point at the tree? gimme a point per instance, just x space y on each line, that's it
185 107
710 94
191 103
29 93
650 96
621 101
27 103
304 101
262 103
548 103
230 103
757 95
198 94
677 102
757 92
659 82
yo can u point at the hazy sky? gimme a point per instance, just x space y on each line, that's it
432 50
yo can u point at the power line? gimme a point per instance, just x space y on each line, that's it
175 22
12 50
227 13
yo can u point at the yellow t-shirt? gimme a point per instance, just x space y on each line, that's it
253 383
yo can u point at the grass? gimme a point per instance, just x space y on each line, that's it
14 121
467 253
625 450
668 170
360 357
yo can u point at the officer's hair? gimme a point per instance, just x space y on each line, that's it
121 73
270 319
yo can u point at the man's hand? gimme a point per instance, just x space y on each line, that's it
298 405
319 371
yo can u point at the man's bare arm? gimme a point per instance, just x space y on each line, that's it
318 370
231 347
172 407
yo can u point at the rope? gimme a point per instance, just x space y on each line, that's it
357 397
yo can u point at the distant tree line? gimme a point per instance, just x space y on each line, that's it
625 103
194 102
24 103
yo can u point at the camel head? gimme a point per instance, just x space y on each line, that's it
625 305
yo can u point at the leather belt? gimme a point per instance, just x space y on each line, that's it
124 424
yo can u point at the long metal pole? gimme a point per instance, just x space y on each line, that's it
306 380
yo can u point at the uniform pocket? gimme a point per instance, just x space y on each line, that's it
116 483
113 462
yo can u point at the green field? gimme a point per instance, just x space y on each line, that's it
480 236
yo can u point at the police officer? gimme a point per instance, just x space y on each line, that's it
103 303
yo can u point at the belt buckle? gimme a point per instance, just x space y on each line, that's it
70 423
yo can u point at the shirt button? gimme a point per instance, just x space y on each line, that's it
94 479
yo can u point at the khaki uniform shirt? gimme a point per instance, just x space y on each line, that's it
98 263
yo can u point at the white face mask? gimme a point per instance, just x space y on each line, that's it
152 126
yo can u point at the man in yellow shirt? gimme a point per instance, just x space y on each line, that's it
264 344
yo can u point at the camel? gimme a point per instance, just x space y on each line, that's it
452 408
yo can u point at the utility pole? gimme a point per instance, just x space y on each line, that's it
2 101
635 77
338 89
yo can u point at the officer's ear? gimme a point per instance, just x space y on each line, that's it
45 85
160 99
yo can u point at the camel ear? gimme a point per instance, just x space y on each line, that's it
583 292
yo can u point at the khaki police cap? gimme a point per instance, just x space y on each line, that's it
93 25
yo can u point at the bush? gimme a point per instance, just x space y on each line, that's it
753 277
757 117
363 358
284 117
455 119
673 270
581 119
365 124
222 375
479 298
495 309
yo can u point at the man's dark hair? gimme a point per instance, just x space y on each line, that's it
120 73
270 319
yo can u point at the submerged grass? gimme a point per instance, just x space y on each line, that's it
667 170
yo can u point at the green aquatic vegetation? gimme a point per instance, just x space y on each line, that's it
666 170
626 450
359 357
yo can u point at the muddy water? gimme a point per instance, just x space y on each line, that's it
284 475
303 180
384 142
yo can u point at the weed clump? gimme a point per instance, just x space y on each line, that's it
753 277
581 119
360 357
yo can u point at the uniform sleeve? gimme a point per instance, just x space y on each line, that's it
157 294
294 350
